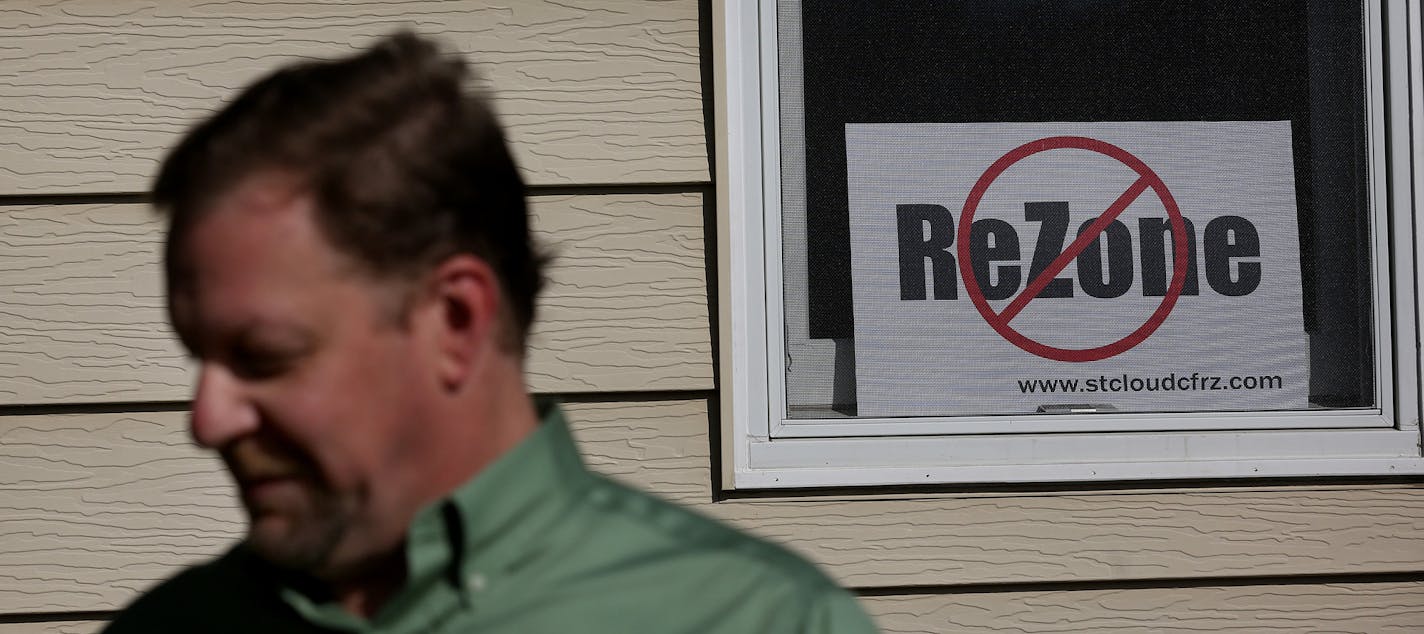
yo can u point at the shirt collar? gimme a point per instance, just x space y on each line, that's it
478 535
504 511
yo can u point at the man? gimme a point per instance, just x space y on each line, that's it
349 260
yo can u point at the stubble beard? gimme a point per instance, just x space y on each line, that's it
303 539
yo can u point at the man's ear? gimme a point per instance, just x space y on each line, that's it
463 309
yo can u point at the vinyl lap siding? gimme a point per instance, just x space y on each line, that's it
93 91
101 494
82 317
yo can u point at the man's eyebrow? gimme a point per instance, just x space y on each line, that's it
255 333
265 333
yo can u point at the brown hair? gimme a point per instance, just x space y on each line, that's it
407 165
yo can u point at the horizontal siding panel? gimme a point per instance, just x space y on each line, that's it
657 446
626 306
952 540
1360 608
81 301
876 541
946 540
96 507
52 627
92 92
1363 608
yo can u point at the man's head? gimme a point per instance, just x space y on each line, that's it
349 259
406 164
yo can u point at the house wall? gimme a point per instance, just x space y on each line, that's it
101 494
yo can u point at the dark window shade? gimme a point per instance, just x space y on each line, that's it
1109 60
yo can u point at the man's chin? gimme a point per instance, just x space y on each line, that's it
299 545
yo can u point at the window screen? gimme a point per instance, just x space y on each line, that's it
1249 118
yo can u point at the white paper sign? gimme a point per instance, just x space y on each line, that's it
999 268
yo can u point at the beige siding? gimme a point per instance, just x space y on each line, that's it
1148 534
946 540
626 308
52 627
109 503
81 301
92 91
1363 608
96 507
1366 608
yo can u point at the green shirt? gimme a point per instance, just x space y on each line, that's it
535 543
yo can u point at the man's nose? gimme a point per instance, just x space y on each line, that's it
222 411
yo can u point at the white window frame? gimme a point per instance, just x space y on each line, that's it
766 450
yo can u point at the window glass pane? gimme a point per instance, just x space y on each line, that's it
1273 88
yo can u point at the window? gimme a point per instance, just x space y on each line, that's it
974 241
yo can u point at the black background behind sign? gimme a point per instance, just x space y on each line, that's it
926 61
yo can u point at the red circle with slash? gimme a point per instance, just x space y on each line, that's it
1146 179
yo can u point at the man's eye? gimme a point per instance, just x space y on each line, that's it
260 364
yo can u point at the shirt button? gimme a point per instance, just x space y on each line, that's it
476 582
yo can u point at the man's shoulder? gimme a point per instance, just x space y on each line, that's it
678 532
222 595
684 555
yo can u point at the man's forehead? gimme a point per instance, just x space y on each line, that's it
263 210
260 233
257 255
263 192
